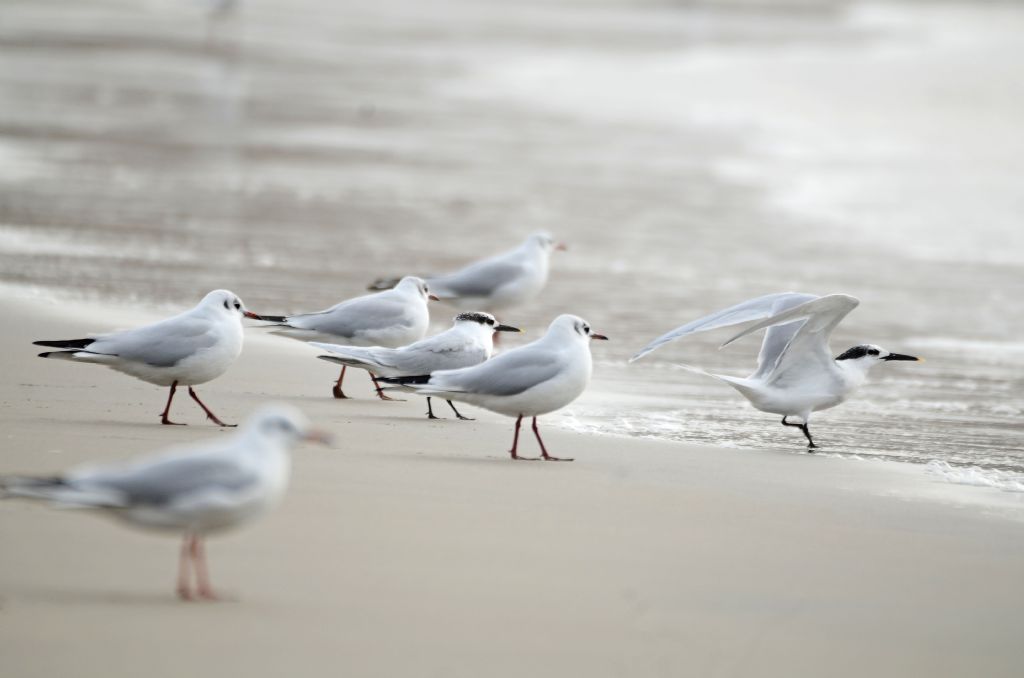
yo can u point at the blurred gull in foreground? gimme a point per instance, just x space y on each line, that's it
392 318
194 491
192 348
796 374
470 341
508 279
528 381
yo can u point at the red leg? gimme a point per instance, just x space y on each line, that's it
543 452
184 591
338 393
167 410
515 441
380 392
202 573
209 415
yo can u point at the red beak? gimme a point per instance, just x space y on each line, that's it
598 336
432 297
250 314
561 247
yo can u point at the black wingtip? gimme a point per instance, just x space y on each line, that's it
274 318
64 343
418 379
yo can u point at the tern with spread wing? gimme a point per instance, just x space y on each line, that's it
193 491
502 281
469 341
192 348
391 318
528 381
796 373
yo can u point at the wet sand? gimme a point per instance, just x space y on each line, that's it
418 548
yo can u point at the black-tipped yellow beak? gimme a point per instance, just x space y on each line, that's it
561 247
594 335
433 297
250 314
900 356
322 437
506 328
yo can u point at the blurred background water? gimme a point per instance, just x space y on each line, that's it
692 154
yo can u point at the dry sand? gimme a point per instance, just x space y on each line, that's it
417 548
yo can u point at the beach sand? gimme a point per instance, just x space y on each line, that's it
416 547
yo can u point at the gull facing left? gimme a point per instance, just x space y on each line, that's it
192 348
528 381
194 491
796 374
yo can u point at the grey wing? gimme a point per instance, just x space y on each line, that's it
477 280
162 344
355 316
752 309
506 375
165 480
807 348
440 356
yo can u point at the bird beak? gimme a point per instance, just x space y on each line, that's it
433 297
594 335
250 314
321 437
561 247
900 356
506 328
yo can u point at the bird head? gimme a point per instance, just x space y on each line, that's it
410 284
485 321
545 242
227 302
866 356
284 425
575 327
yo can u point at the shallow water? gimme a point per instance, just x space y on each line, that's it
691 157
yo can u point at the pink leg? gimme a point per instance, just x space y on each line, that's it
338 393
544 452
184 591
202 574
380 391
167 410
209 415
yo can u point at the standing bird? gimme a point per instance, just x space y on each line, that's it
796 374
502 281
391 318
469 341
193 491
528 381
192 348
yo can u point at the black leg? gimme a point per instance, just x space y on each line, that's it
430 410
803 427
452 405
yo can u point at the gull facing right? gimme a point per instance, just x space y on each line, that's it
528 381
469 341
796 374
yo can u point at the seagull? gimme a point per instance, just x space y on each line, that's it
498 282
528 381
194 491
796 374
192 348
469 341
391 318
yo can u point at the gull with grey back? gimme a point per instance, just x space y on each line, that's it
796 373
469 341
194 491
192 348
528 381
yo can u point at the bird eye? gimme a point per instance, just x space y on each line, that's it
490 321
586 329
238 305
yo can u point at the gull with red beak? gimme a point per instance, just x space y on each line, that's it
391 318
528 381
796 373
192 348
496 283
194 491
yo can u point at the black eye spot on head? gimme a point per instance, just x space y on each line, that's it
856 352
226 305
872 351
481 318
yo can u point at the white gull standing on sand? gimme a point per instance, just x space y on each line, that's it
502 281
796 374
192 348
528 381
391 318
469 341
194 491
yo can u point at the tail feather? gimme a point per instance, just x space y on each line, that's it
65 343
63 355
59 491
741 384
